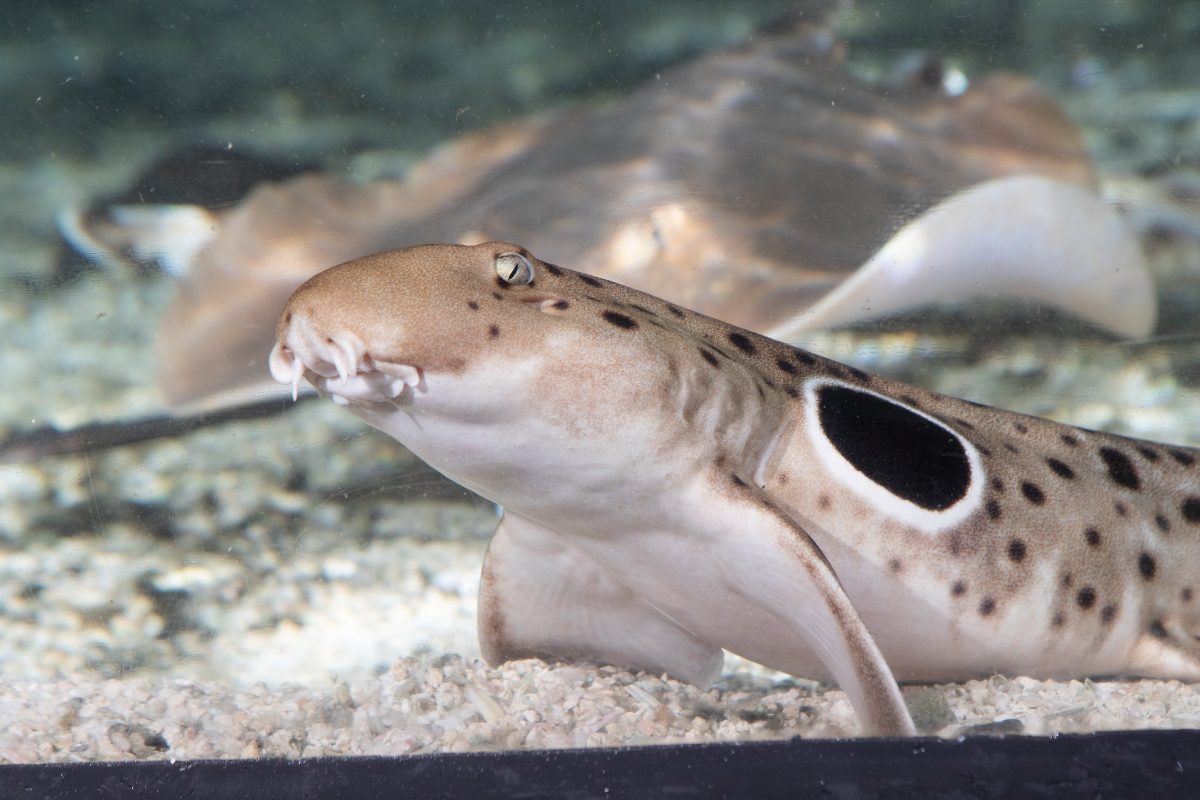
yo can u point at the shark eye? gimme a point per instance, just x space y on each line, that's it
514 268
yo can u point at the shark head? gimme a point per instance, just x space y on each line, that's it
371 330
477 356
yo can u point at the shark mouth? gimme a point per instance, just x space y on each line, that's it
338 366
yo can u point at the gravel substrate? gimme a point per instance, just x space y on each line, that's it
451 704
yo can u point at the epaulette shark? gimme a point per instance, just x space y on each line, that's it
674 486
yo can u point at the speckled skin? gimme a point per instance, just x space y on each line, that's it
674 485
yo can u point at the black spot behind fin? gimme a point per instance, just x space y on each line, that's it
911 456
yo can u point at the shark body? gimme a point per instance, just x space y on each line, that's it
674 486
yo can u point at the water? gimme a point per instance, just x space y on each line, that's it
295 546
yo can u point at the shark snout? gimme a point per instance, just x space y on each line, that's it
335 362
302 347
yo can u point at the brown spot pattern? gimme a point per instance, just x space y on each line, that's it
1183 457
1060 469
1120 469
619 320
742 342
858 373
1016 551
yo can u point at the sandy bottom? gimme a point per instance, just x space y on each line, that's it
451 704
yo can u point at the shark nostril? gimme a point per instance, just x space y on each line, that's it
285 367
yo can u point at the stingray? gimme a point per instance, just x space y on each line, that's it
763 185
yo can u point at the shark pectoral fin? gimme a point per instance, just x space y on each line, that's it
770 562
540 596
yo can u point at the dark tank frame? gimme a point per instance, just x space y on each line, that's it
1125 764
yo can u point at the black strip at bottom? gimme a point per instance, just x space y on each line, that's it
1144 765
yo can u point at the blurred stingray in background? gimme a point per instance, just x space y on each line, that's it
752 184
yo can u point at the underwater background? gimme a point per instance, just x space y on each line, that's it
293 583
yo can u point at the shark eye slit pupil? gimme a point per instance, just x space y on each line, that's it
514 268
